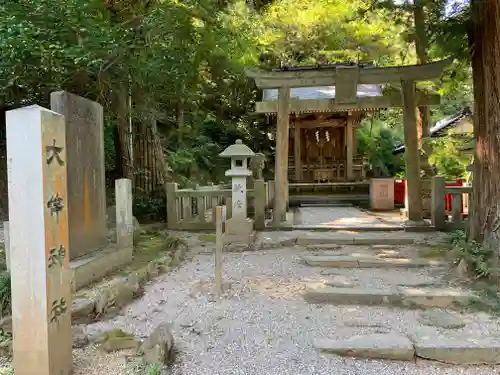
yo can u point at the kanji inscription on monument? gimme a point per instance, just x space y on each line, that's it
54 152
41 281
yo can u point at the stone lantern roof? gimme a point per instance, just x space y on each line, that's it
238 150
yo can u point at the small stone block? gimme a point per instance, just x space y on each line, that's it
441 319
459 350
435 297
236 227
375 346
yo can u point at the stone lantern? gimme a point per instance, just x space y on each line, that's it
239 228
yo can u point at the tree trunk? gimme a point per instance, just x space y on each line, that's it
485 54
123 128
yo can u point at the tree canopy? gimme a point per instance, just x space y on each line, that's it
180 63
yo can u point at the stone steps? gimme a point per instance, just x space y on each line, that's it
396 296
389 238
365 261
396 346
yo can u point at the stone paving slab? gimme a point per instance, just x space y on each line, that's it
365 261
320 293
459 350
435 297
329 247
396 296
327 228
352 238
390 346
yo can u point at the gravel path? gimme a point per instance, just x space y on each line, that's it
263 326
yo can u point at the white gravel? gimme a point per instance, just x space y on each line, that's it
263 326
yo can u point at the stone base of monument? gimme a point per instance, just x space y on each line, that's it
94 266
238 231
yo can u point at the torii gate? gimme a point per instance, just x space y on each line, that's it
346 80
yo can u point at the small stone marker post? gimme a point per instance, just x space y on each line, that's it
124 216
219 246
41 282
239 228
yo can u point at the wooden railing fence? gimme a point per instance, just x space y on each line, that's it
194 209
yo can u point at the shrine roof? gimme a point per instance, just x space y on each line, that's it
322 92
439 129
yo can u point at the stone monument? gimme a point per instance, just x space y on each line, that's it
382 194
86 200
39 258
239 228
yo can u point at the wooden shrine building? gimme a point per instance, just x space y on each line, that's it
322 145
317 110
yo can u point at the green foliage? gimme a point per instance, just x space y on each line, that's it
448 157
149 208
138 368
377 141
181 63
5 293
479 258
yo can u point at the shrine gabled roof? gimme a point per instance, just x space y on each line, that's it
322 92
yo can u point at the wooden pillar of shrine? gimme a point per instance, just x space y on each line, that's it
412 155
349 147
297 157
281 156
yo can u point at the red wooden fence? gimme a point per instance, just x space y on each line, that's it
400 189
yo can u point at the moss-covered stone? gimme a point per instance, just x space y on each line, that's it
117 339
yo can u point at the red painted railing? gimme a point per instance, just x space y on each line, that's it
400 188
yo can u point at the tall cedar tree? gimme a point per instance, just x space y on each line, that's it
485 55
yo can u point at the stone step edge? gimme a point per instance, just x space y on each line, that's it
402 348
397 296
347 261
270 243
304 241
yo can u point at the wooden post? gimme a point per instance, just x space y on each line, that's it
259 203
349 148
281 157
124 215
6 239
40 274
437 202
171 205
297 152
456 208
412 154
354 142
219 243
